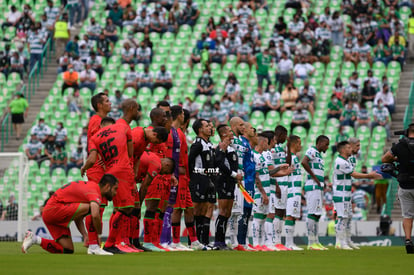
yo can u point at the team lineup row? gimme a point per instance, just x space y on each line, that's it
248 172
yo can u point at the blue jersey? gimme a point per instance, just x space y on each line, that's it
249 169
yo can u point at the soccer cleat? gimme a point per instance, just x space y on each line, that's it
322 247
124 247
409 247
258 248
353 245
98 251
169 247
281 247
135 249
268 248
143 248
113 250
240 248
314 247
152 247
295 247
343 247
249 247
161 247
180 247
196 245
29 240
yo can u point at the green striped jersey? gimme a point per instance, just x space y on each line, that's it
353 160
36 43
295 178
263 171
316 164
279 157
240 149
342 180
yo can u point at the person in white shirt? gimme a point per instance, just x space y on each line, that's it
303 70
127 54
146 79
244 53
12 18
296 26
337 28
88 78
163 79
131 78
232 43
41 130
259 101
387 98
284 71
143 54
61 135
218 55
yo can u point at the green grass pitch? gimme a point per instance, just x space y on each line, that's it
368 260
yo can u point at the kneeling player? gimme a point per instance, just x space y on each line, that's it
294 192
73 201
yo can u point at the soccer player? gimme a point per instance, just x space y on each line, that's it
355 146
342 186
181 119
102 106
72 202
294 145
314 166
201 167
227 163
279 157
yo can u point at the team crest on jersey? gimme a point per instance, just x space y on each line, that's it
154 174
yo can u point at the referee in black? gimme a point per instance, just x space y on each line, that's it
227 164
403 153
201 168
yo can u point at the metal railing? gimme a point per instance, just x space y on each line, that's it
391 195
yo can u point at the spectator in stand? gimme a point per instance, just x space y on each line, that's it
96 64
61 134
35 47
304 52
17 64
365 184
75 103
205 85
163 79
368 92
33 148
12 18
292 42
117 100
191 106
398 52
296 26
88 79
143 54
59 159
337 28
19 108
220 116
311 89
307 101
232 44
387 98
321 51
354 79
73 47
41 130
131 78
373 80
334 107
49 148
94 29
172 24
362 51
189 14
300 118
280 27
284 71
146 79
339 89
349 54
262 61
242 108
127 54
24 54
70 79
273 99
219 54
232 87
382 53
348 116
76 158
303 70
128 18
227 105
85 47
110 31
206 111
104 46
244 53
10 213
142 22
27 19
195 57
289 96
259 101
74 8
157 23
116 13
64 61
363 117
352 93
340 136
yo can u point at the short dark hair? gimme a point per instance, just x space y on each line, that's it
341 145
108 179
220 129
97 99
321 138
176 110
280 130
173 165
163 103
186 115
269 135
155 113
107 120
162 133
198 124
294 138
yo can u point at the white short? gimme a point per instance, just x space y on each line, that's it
314 202
343 209
261 208
238 204
272 202
281 202
293 206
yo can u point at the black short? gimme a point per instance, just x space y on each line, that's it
18 118
202 190
225 190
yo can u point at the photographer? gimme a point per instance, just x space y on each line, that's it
403 152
